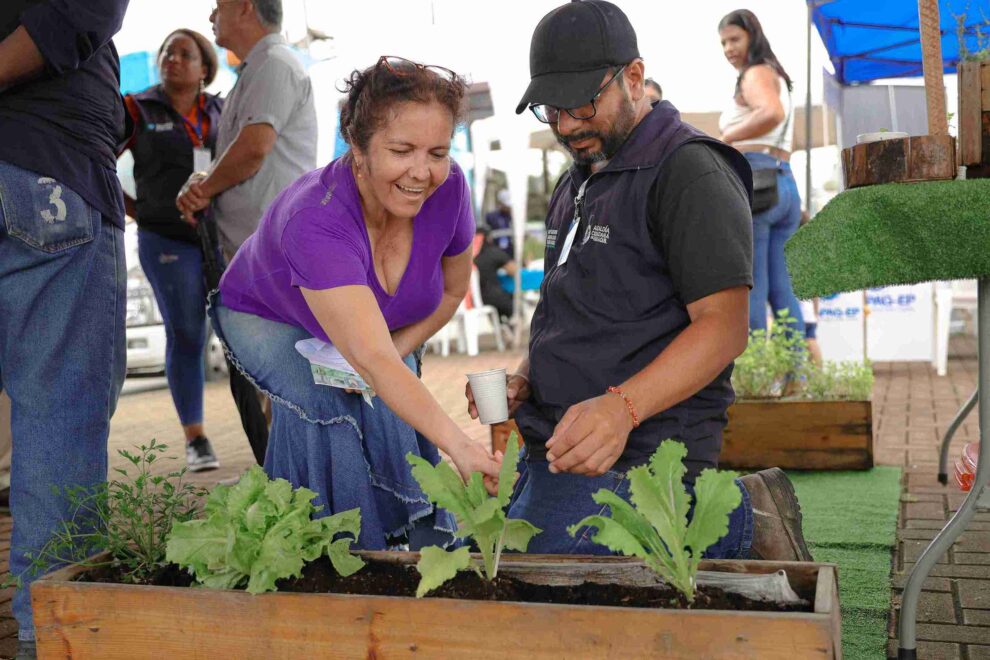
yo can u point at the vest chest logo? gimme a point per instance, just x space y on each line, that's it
599 234
551 239
161 128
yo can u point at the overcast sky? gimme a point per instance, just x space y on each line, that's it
490 40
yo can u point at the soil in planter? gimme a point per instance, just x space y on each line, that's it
379 578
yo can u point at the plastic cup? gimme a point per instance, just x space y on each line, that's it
489 395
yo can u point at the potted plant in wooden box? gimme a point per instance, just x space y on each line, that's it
532 606
793 414
974 99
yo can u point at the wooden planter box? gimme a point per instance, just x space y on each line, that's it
792 435
974 118
93 620
904 160
799 435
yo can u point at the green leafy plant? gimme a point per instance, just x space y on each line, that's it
851 381
123 523
259 531
479 517
655 526
981 32
769 359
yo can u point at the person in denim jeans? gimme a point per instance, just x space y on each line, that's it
760 124
644 302
62 273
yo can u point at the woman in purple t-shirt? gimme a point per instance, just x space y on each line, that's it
371 253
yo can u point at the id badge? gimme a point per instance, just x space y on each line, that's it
568 242
201 159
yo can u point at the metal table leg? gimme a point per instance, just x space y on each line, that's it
943 457
978 499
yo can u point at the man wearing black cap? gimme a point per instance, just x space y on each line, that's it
644 304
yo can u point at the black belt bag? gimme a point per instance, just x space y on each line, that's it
765 195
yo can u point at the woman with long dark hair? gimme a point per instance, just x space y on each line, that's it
174 133
760 124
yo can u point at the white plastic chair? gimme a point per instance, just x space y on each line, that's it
958 294
469 322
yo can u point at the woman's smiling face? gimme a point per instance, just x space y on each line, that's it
407 159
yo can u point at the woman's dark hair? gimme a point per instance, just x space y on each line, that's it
759 51
372 93
206 52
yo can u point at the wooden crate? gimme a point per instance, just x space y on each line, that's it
90 620
793 435
903 160
799 435
974 118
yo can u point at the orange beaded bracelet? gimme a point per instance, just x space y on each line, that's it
629 404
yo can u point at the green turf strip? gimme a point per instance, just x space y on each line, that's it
850 519
893 234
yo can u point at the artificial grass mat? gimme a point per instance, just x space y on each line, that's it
850 519
897 233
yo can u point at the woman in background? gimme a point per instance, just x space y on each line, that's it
760 124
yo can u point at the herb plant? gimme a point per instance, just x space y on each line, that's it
479 517
769 359
851 381
259 531
655 526
127 520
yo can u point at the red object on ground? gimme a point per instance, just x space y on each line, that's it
966 466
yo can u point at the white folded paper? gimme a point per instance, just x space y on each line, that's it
329 367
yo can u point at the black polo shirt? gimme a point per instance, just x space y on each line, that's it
66 123
665 223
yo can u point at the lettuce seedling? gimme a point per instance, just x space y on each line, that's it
479 517
655 527
259 531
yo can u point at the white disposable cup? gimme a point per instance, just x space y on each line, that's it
488 388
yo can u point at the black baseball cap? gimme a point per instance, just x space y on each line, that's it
572 48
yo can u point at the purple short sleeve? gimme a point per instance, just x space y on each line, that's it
464 228
323 252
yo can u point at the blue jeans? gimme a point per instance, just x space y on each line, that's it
351 454
771 229
553 502
62 353
175 270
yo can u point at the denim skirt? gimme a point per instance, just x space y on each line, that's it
351 454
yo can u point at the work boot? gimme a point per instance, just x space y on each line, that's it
777 531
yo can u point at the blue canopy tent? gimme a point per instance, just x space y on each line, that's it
880 39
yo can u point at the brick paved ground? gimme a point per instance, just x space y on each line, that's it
912 408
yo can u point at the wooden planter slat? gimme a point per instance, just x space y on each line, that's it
793 435
91 620
974 118
970 115
903 160
799 435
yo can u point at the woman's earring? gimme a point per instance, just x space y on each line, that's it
202 86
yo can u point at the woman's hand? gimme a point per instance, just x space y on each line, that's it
471 457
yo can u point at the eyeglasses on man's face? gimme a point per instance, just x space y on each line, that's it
549 114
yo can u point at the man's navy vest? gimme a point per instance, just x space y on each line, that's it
163 160
610 308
